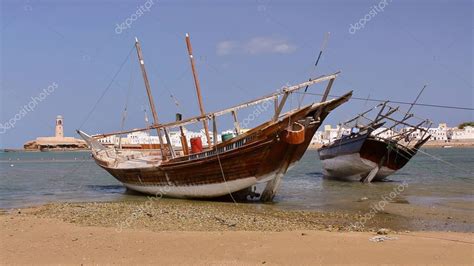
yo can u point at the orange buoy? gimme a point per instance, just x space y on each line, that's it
196 145
294 134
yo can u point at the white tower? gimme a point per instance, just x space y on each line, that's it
59 127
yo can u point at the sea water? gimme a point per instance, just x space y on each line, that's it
434 177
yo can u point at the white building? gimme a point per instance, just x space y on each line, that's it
329 134
144 137
384 132
442 132
467 133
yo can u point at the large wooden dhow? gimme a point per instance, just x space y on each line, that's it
261 155
371 152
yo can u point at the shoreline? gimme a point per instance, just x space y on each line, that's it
159 214
429 144
34 150
174 232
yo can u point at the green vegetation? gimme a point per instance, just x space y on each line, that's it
466 124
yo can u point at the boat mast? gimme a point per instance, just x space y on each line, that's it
416 99
198 89
200 118
150 96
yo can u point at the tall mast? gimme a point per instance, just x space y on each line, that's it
198 88
416 99
150 96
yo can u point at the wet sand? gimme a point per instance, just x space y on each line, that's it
195 232
163 214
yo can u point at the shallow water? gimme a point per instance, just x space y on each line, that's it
424 180
33 178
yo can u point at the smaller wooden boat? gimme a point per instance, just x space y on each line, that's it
370 151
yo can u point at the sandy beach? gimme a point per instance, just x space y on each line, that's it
27 240
181 232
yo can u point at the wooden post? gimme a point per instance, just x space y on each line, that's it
280 106
328 89
184 141
236 123
198 88
214 130
150 96
275 103
325 97
170 145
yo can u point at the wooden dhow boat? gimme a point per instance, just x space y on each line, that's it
369 151
261 155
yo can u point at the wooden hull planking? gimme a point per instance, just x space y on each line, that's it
353 159
258 156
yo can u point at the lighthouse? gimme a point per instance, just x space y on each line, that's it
59 127
58 142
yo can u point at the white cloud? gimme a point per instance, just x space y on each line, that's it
256 45
225 47
263 45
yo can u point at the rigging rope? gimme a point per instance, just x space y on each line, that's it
398 102
223 175
432 156
124 115
106 88
444 161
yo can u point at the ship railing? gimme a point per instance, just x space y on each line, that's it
284 93
226 148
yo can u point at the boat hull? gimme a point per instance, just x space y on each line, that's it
352 167
352 159
259 156
197 191
241 169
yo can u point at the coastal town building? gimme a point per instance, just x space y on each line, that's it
321 137
447 134
440 133
57 142
137 139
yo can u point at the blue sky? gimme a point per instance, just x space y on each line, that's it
244 49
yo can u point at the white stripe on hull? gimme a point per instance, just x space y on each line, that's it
352 167
204 191
199 191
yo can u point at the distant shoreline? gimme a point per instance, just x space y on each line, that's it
429 144
452 143
23 150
